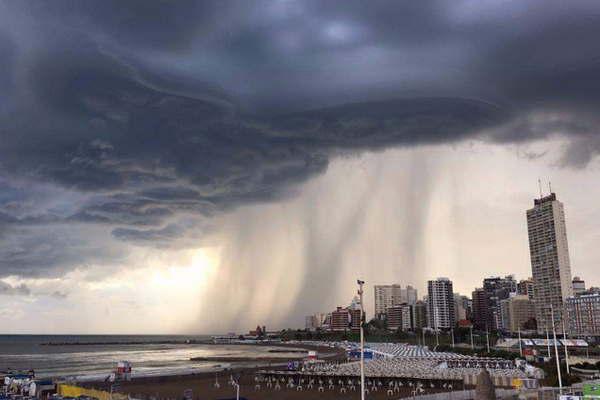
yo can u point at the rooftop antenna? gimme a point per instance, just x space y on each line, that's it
540 186
550 186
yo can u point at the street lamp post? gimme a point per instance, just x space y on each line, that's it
548 340
437 337
520 345
362 340
472 344
487 338
237 389
565 343
556 349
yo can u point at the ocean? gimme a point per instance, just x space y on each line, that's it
95 361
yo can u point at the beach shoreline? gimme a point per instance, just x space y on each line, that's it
202 384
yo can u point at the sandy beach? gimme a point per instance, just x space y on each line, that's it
203 384
202 387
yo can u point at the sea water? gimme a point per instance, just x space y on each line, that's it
96 361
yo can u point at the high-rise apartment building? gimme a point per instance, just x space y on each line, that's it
315 321
487 312
400 317
518 311
420 315
440 304
481 316
411 295
343 319
578 285
387 296
584 314
525 287
498 289
549 253
461 307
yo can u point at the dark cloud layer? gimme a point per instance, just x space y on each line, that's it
132 117
10 290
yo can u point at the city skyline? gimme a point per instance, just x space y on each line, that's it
204 166
504 303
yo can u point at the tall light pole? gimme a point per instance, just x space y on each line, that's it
548 340
237 389
452 332
437 338
487 338
565 344
556 348
472 344
520 345
362 340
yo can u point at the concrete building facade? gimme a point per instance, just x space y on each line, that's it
400 317
517 311
550 264
460 307
440 304
578 285
481 316
525 287
498 289
343 319
584 314
420 315
387 296
315 321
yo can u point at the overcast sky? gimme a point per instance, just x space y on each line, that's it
209 166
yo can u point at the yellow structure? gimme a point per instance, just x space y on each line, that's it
75 391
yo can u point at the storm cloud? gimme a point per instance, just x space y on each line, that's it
137 123
10 290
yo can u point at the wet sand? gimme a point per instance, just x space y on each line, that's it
203 384
203 389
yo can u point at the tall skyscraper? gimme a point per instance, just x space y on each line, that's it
460 307
440 304
420 315
387 296
498 289
411 295
343 319
400 317
482 317
487 312
549 254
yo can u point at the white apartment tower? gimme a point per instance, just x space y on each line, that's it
440 304
387 296
550 263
